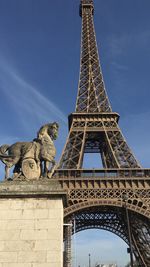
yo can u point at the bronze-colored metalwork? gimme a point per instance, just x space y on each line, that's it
95 196
67 243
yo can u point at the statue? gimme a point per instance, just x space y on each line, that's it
32 159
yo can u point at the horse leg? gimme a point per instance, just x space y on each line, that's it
6 172
52 169
16 171
46 168
53 163
41 167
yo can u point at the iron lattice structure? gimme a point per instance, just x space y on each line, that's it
95 197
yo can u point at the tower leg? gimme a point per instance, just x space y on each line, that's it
141 241
67 244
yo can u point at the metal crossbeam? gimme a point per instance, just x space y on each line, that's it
101 133
95 197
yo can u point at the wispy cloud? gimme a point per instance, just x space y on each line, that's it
123 45
31 108
118 44
27 100
119 67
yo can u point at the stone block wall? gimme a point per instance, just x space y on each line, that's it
31 232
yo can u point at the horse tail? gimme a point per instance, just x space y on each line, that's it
3 150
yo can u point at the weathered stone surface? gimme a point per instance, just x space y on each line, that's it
32 256
8 256
19 187
27 157
31 224
15 264
44 224
44 265
18 245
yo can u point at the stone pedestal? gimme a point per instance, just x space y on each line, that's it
31 224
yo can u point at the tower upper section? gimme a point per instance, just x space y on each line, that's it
87 4
93 128
92 97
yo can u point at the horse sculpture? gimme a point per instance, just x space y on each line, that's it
31 159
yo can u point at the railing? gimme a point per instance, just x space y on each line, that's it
102 173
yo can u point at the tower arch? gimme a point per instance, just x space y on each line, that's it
94 128
113 218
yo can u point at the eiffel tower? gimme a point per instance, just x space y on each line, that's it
116 197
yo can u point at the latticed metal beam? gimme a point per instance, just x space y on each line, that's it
114 219
93 113
101 218
103 131
95 197
141 239
67 243
92 95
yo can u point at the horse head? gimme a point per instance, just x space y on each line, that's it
52 130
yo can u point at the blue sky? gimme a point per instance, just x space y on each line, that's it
39 70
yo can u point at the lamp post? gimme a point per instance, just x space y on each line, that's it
89 260
125 198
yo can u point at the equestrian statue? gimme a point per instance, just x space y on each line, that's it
32 160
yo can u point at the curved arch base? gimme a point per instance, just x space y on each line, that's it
113 219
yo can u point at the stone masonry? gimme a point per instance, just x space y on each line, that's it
31 225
